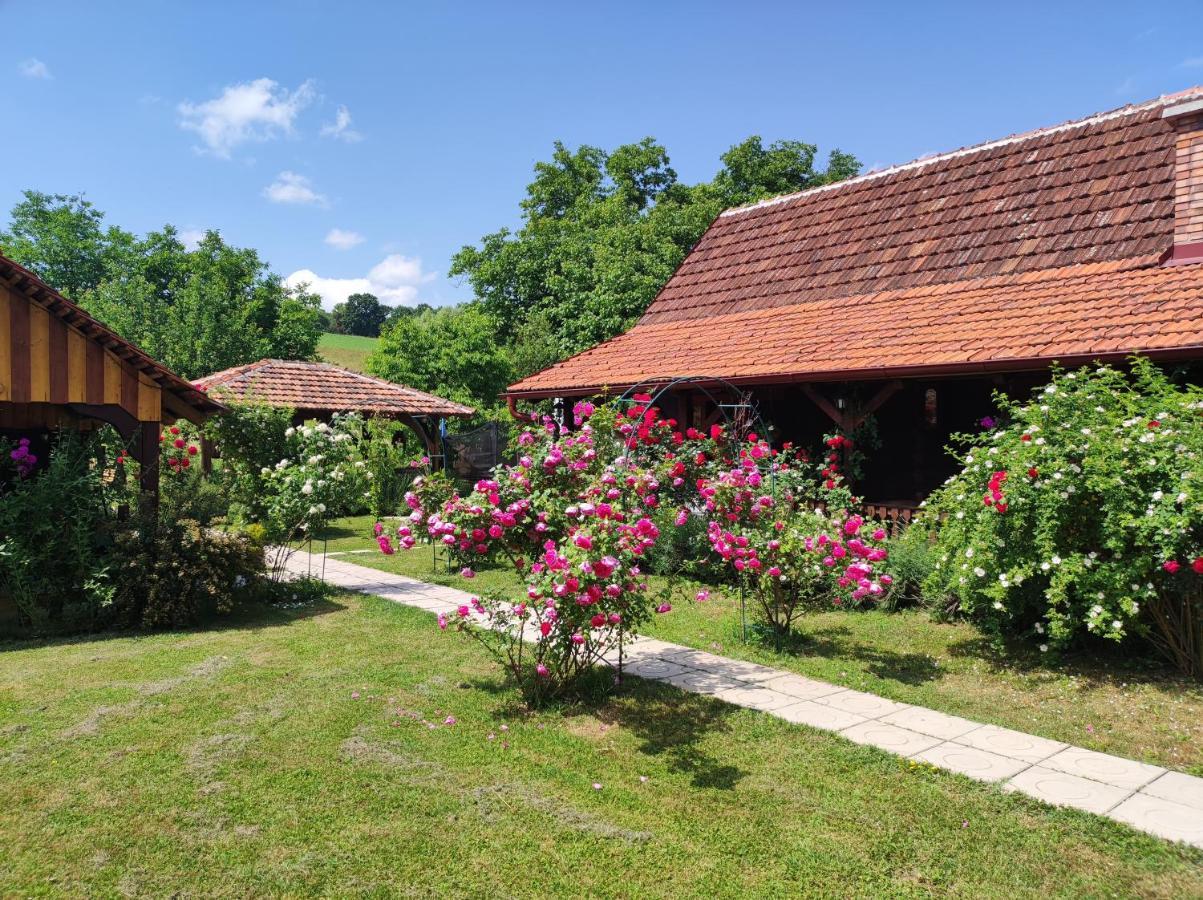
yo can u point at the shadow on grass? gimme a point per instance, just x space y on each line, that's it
673 724
1093 667
836 642
668 721
252 617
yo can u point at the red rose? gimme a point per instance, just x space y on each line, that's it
1033 472
1197 565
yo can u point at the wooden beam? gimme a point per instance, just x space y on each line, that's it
824 404
884 393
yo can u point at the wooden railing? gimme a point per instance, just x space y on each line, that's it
894 517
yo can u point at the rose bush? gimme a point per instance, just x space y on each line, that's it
1079 515
320 477
583 513
789 536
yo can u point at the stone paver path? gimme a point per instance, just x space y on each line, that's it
1167 804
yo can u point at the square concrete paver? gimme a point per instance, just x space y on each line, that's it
890 737
980 764
1015 744
702 682
754 696
807 712
1178 787
732 668
928 721
1113 770
1063 789
802 688
654 668
1164 818
870 706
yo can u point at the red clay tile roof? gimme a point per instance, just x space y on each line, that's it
321 386
1028 248
1098 310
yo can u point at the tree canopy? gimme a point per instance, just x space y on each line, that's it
453 352
197 310
360 314
602 232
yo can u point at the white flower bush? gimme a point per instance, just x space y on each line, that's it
1080 516
316 480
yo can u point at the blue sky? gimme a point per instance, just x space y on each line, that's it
365 142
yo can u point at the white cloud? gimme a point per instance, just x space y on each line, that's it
289 187
395 280
191 237
341 239
341 127
34 68
258 110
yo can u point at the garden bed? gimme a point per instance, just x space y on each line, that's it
1129 707
309 751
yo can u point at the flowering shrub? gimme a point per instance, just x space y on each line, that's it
173 572
582 513
251 438
1079 515
787 551
319 477
23 460
177 450
57 526
578 515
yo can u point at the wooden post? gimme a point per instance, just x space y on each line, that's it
148 459
206 449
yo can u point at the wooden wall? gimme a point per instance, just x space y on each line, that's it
45 360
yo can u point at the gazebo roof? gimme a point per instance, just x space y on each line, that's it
180 398
322 386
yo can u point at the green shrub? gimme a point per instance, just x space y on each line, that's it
57 528
912 558
251 438
392 462
174 572
1080 517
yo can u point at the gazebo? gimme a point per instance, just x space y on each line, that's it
62 369
318 390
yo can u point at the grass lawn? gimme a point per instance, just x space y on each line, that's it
305 751
1130 708
346 350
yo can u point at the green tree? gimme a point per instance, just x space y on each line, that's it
452 352
360 314
195 310
61 239
602 232
405 312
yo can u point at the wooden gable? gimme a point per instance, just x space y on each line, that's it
45 360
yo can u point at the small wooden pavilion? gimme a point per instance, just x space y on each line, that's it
318 390
60 368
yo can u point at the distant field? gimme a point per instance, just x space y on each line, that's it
346 350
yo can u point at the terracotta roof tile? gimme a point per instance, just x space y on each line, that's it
1114 308
1036 245
321 386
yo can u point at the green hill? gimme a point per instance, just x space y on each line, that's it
346 350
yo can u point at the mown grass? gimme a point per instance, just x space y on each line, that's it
1130 707
306 751
346 350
